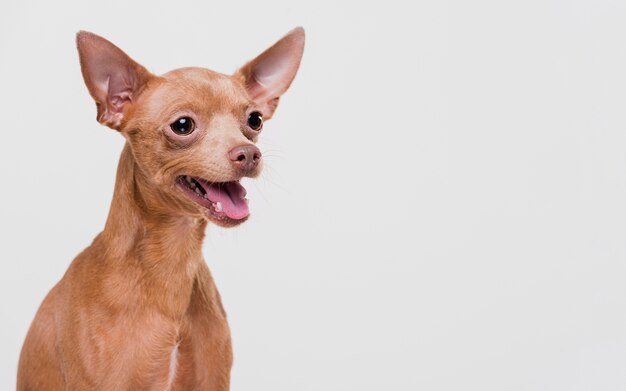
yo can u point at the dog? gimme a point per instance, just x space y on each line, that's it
138 308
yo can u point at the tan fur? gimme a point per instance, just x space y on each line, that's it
142 288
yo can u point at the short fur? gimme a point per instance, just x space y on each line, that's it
138 309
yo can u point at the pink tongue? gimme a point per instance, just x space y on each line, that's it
232 197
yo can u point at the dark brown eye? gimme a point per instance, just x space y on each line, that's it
255 120
183 126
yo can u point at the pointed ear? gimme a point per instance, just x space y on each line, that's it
112 78
269 75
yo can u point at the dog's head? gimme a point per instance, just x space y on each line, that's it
192 131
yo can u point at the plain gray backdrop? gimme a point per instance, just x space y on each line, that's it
443 204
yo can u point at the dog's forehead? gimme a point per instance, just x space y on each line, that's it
195 75
198 87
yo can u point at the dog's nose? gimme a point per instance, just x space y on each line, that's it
245 157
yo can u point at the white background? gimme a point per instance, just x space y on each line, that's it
443 206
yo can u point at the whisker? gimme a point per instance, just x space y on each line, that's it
261 192
265 178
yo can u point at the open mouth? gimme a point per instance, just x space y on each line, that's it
223 200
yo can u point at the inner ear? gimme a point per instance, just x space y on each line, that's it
270 74
112 77
119 93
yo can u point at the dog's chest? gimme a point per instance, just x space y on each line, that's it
173 366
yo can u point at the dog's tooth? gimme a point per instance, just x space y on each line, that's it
197 191
188 179
218 207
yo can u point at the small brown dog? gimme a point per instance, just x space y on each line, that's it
138 309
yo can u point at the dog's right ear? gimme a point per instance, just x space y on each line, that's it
112 78
269 75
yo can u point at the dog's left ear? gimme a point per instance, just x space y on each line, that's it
269 75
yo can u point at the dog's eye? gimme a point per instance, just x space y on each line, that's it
255 121
182 126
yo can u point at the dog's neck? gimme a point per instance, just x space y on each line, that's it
165 248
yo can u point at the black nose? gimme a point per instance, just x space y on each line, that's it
245 157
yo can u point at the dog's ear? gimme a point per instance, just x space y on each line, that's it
269 75
112 78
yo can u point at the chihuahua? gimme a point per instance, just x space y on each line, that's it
138 308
